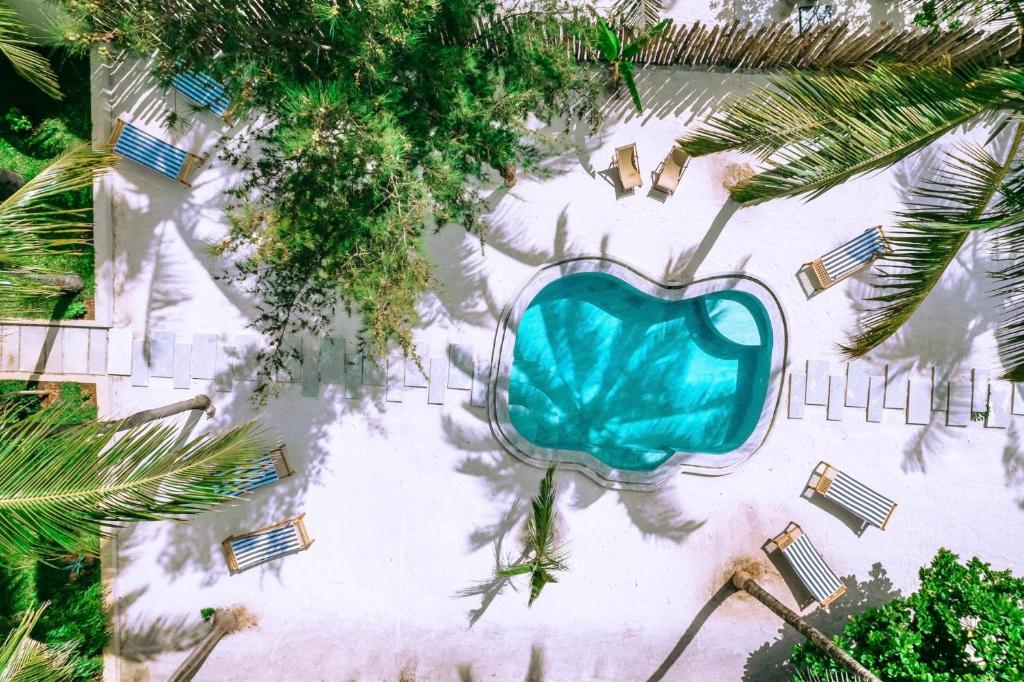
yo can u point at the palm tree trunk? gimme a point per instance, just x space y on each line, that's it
67 283
199 402
743 581
223 623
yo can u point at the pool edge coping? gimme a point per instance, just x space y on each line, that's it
679 462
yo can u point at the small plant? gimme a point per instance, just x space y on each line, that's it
618 54
17 122
207 613
75 311
543 555
981 416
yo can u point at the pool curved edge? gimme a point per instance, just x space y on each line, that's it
584 462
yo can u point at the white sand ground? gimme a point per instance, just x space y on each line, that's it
407 501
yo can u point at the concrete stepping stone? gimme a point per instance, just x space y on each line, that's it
414 376
998 404
460 366
481 377
140 363
310 368
247 346
374 372
332 361
919 401
857 384
395 379
1017 403
817 382
979 396
182 365
959 413
33 340
119 352
161 354
876 398
836 397
224 365
75 350
10 346
97 363
941 377
353 375
291 370
438 379
204 356
797 391
896 380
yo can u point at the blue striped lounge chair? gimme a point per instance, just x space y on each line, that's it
850 258
823 584
136 144
204 91
248 550
852 495
269 468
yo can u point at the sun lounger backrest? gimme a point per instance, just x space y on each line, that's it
629 172
149 150
252 549
203 90
850 257
856 497
800 553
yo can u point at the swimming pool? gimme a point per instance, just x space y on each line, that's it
629 379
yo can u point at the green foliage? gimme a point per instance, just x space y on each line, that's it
30 65
16 122
23 659
207 613
618 54
389 119
964 624
543 555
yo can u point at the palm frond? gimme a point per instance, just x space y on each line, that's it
964 197
59 487
24 660
638 15
30 65
1008 247
819 130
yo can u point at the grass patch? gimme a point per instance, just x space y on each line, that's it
34 130
71 585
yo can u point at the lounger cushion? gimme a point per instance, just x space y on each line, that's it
252 550
150 151
815 574
853 255
860 500
204 90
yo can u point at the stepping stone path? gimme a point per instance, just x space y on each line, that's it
79 350
894 388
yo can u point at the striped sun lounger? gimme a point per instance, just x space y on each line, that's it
204 91
139 146
823 584
269 468
851 257
852 495
252 549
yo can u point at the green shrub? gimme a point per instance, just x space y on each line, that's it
52 138
16 122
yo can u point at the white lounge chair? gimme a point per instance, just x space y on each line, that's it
851 257
852 495
259 546
823 584
628 164
666 178
139 146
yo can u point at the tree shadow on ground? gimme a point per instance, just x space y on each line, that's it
716 599
770 662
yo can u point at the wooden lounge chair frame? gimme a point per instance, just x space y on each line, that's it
820 279
228 116
634 161
821 480
192 161
300 527
659 174
784 540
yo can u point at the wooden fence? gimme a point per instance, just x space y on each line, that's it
739 46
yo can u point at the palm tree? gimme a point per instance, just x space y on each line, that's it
30 65
816 131
31 225
743 581
25 660
224 623
543 555
619 54
60 487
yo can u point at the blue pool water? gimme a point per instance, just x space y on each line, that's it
601 367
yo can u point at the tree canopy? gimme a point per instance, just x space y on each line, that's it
375 121
965 623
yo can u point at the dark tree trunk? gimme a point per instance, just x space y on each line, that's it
742 580
199 402
223 623
68 283
10 182
508 174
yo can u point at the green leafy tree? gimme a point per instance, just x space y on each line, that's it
964 624
34 223
816 131
24 660
384 120
60 486
544 555
618 54
16 46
